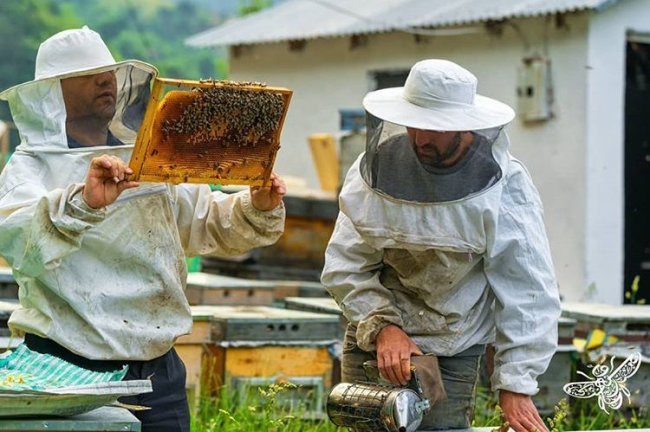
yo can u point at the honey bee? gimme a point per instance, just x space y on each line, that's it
609 389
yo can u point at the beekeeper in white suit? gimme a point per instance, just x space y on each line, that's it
439 242
101 260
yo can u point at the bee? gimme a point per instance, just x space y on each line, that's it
609 389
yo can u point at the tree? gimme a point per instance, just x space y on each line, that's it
24 24
247 7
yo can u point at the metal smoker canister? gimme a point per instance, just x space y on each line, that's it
371 407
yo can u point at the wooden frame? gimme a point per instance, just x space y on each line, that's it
178 157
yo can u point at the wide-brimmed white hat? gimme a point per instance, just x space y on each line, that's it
438 95
73 53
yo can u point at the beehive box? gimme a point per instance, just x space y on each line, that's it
6 340
215 289
630 323
104 419
325 305
7 306
210 289
8 285
217 132
249 346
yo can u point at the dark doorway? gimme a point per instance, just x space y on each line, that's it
637 171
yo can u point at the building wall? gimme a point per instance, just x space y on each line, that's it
606 137
327 75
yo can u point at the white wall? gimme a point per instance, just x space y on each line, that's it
606 149
327 75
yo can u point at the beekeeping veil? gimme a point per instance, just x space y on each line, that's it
39 109
438 96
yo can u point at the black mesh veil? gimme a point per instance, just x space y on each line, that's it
394 165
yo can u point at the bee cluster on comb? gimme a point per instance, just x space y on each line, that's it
237 115
216 131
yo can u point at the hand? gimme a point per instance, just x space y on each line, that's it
105 181
394 349
268 198
520 412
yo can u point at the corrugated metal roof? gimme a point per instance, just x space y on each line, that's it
309 19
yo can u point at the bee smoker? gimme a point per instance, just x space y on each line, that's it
373 407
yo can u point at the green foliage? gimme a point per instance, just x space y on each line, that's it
24 24
631 295
154 31
580 414
247 7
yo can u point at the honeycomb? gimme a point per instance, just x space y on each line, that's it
218 132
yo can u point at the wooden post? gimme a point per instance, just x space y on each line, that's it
323 150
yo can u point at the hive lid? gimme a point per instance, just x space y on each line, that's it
595 312
67 401
217 132
314 304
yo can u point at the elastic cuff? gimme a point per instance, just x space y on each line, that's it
80 210
254 214
513 384
368 329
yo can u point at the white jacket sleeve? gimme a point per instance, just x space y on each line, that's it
351 275
39 227
520 272
215 223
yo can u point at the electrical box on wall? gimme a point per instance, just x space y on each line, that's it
534 89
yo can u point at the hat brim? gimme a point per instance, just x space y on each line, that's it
81 72
390 105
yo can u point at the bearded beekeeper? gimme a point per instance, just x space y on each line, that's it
101 260
440 248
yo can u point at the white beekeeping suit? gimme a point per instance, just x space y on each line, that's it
448 254
106 284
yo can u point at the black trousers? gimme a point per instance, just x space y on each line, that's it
168 402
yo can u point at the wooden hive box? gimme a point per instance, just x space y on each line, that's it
7 306
215 132
325 305
630 323
8 285
251 346
105 419
211 289
215 289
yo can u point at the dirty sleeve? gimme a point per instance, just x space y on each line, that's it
351 275
520 272
220 224
39 227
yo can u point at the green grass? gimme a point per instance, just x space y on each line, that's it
578 415
276 408
266 409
